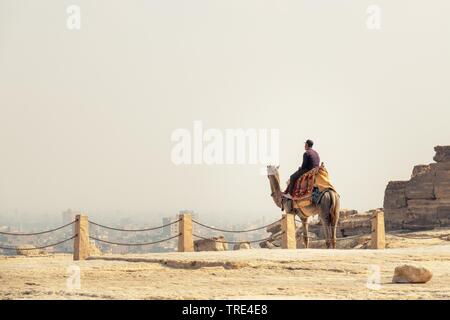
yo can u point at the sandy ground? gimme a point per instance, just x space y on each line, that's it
245 274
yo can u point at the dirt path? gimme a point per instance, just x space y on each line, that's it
256 273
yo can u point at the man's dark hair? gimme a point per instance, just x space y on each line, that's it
310 143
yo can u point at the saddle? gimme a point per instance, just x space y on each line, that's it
309 190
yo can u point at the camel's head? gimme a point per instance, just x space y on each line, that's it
273 171
274 178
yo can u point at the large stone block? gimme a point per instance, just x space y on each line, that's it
442 176
274 227
421 169
394 218
346 213
421 216
394 196
421 186
212 244
242 245
443 212
443 215
422 203
411 274
29 250
396 185
394 199
442 154
442 185
440 166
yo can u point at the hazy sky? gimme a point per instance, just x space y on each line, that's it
86 116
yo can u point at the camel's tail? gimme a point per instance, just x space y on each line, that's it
335 208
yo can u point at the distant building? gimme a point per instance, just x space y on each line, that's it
195 216
68 216
171 230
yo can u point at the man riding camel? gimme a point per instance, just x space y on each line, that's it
311 160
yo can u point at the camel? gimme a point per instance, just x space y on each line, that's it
327 209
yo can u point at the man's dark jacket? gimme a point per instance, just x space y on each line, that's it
311 160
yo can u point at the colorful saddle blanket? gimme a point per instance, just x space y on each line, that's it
316 179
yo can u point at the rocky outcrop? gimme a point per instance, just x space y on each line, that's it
274 240
411 274
212 244
357 223
442 154
424 200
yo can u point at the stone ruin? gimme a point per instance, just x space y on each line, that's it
424 200
211 244
351 223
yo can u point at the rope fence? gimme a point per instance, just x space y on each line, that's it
287 235
42 247
33 247
415 228
37 233
234 231
134 244
232 242
134 230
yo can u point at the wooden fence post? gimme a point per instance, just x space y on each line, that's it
185 240
81 244
288 227
378 240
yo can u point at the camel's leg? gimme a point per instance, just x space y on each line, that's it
336 218
324 213
305 231
333 236
326 231
328 240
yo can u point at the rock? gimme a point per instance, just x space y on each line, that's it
411 274
212 244
299 235
345 213
267 245
277 243
442 154
424 199
274 227
29 250
242 245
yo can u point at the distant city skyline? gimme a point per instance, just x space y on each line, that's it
87 114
